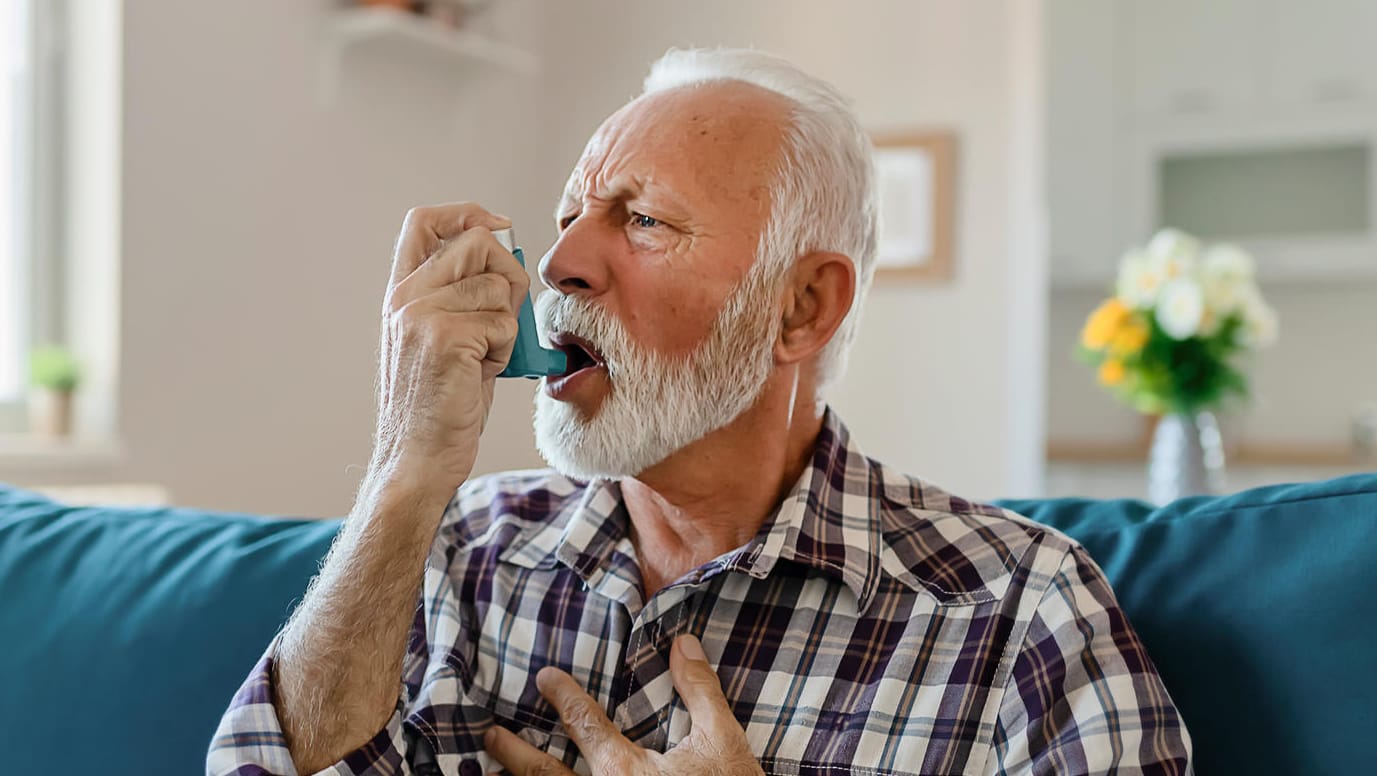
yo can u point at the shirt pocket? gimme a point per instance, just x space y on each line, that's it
537 726
454 718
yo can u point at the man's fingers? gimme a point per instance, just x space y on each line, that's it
424 228
480 293
700 688
519 757
486 335
584 720
499 338
499 331
490 257
467 255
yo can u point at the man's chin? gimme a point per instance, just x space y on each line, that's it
600 445
561 433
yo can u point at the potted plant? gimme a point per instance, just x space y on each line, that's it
54 374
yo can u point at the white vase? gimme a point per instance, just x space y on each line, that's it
1187 457
50 413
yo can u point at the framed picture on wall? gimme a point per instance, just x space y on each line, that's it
916 180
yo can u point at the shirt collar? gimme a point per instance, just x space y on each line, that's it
846 516
827 522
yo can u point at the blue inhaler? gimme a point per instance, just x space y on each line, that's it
529 359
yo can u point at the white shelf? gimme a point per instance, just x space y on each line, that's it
394 27
135 494
30 453
1129 480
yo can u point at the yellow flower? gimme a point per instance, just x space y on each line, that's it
1104 323
1111 372
1130 338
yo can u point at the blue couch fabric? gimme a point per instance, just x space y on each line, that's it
1260 612
125 631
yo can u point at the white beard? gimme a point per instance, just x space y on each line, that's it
657 405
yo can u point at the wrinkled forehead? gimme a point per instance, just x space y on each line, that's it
712 140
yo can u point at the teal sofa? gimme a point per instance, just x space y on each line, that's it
124 632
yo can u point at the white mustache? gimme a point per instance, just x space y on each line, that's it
556 312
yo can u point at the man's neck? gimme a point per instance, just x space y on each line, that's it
712 496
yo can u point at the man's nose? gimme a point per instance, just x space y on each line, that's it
576 263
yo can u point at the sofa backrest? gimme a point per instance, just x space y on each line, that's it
1260 612
126 631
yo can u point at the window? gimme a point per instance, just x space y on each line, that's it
29 175
12 115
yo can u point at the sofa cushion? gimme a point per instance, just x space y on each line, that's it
126 631
1260 612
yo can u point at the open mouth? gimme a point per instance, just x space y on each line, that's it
580 353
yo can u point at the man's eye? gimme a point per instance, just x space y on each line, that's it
565 221
644 221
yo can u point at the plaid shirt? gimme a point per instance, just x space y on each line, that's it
875 625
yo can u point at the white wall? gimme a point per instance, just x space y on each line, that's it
257 226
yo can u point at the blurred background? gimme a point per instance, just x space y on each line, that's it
198 201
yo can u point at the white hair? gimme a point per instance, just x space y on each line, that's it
823 195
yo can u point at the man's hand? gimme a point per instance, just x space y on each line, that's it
448 328
716 744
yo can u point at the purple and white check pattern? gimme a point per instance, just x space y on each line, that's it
875 625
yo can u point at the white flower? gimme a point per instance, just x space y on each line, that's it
1226 273
1180 308
1229 260
1139 281
1261 325
1173 253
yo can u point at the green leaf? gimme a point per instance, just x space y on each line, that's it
54 367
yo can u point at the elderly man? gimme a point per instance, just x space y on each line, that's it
713 579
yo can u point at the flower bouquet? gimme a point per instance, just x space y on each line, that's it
1167 342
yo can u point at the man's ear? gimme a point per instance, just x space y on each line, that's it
817 298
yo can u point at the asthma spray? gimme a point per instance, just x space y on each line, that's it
529 359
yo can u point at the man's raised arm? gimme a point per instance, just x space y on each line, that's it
328 688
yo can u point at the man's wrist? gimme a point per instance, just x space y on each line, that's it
406 486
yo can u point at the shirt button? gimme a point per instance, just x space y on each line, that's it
470 768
